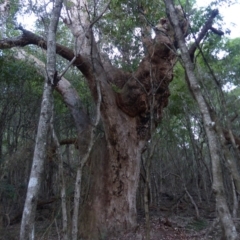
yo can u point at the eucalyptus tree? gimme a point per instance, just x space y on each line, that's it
130 65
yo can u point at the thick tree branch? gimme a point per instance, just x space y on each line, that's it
28 38
70 97
207 26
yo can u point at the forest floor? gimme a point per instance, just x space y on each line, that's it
162 227
175 228
178 224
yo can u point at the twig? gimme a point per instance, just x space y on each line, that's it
193 203
68 66
55 221
101 14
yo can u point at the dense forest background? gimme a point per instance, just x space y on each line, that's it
176 168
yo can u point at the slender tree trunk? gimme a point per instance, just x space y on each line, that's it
82 163
229 157
37 165
221 204
63 199
63 184
147 198
28 218
147 183
235 200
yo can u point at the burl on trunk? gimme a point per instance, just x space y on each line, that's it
126 114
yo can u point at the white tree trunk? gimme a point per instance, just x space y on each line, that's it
27 224
221 204
72 100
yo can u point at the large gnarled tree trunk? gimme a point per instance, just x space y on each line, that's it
125 114
111 207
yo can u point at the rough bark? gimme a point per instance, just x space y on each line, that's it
111 205
82 163
28 218
221 204
127 116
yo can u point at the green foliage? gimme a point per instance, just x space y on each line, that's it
235 93
229 64
120 30
115 88
68 4
198 225
7 190
180 95
13 76
221 55
232 105
21 92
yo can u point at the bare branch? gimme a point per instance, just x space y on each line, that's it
68 66
30 38
100 16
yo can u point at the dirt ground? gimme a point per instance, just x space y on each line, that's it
166 223
178 228
163 227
